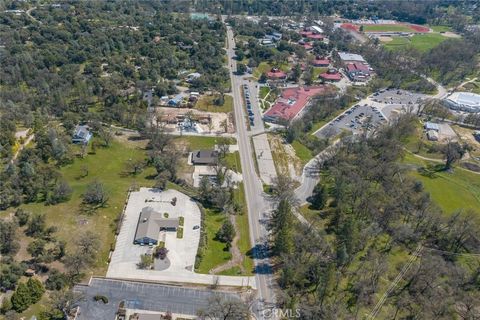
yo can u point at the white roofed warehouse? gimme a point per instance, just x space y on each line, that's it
464 101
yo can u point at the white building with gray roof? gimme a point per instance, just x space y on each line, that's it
464 101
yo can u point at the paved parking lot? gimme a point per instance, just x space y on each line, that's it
356 119
144 296
394 96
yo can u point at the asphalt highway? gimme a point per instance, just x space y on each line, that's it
257 204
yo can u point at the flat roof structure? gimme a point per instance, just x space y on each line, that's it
432 126
345 56
204 157
292 102
465 101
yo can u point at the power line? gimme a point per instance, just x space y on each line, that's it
395 282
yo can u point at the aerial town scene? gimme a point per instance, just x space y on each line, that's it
236 160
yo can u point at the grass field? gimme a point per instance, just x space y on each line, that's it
206 103
233 161
302 151
106 166
196 142
452 191
386 28
265 67
215 252
422 42
243 226
317 71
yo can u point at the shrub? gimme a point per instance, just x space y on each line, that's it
22 217
99 297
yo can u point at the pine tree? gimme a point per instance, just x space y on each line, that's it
319 197
36 289
21 298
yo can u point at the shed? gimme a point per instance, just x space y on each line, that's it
432 135
432 126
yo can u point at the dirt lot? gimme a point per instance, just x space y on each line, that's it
173 116
466 135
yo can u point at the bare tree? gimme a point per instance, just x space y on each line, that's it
225 308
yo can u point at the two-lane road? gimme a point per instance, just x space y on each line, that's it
257 205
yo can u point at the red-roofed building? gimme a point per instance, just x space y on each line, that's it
307 46
358 71
320 62
291 102
316 36
276 74
331 76
306 33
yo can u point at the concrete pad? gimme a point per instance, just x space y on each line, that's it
263 154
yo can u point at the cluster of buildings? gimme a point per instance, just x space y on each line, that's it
464 101
311 34
269 40
355 66
291 103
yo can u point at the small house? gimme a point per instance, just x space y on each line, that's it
204 157
81 135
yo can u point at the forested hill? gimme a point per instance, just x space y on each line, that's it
93 59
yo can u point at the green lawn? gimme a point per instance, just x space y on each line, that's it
243 226
215 252
233 161
452 191
263 92
302 151
206 103
197 142
386 28
107 166
422 42
317 71
265 67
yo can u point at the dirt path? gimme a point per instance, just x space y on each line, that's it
237 257
27 141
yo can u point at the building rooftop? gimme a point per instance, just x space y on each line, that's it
331 76
465 99
292 102
345 56
276 74
150 222
204 156
432 126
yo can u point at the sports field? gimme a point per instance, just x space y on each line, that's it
422 42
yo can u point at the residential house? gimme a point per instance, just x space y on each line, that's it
204 157
81 135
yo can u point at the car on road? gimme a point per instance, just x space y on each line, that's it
196 227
